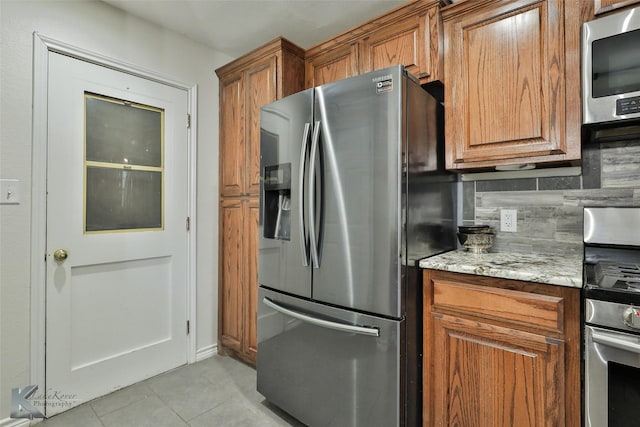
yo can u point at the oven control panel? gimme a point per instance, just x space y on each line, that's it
609 314
631 317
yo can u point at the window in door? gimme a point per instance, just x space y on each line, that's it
124 166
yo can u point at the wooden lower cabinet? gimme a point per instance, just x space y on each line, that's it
238 286
495 376
250 329
500 352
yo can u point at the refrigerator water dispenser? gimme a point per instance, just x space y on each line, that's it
277 201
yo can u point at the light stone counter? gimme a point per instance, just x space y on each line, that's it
553 270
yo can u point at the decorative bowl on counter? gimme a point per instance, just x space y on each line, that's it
477 239
473 229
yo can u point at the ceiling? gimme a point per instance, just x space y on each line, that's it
236 27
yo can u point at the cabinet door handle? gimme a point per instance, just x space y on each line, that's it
343 327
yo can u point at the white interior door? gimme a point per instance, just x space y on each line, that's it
117 205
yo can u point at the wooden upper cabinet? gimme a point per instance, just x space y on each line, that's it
592 9
410 35
260 91
512 82
603 6
331 65
268 73
414 41
232 151
242 95
402 43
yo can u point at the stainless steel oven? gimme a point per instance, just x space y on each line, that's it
612 317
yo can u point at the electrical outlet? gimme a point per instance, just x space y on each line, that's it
509 220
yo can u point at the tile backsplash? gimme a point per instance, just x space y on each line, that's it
550 208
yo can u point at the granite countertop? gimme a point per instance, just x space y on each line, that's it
553 270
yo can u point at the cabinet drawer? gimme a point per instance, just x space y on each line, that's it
511 306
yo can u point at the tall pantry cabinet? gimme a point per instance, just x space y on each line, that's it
264 75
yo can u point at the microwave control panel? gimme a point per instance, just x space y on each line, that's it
628 106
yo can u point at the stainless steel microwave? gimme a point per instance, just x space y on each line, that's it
611 68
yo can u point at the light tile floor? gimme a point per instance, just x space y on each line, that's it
218 391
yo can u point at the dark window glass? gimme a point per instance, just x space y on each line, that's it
624 395
615 64
123 199
124 165
119 132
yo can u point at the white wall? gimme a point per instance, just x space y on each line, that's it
105 30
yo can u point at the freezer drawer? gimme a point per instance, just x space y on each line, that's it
314 365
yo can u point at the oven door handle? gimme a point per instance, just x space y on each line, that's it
615 340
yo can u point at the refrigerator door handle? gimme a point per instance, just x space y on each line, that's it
361 330
304 239
312 196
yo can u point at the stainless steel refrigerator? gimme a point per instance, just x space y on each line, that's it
352 194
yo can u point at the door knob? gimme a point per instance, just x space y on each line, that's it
60 255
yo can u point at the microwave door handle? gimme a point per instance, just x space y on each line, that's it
343 327
304 239
614 341
312 196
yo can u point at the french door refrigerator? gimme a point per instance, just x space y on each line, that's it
352 195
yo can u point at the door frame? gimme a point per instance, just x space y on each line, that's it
42 47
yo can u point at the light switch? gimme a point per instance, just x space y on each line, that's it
9 192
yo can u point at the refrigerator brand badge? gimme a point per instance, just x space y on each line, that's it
383 84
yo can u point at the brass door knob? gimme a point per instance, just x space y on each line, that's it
60 255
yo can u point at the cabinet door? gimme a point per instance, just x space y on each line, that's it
603 6
250 345
403 43
489 376
230 290
509 97
232 144
335 64
260 90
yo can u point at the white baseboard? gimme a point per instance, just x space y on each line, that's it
16 422
203 353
